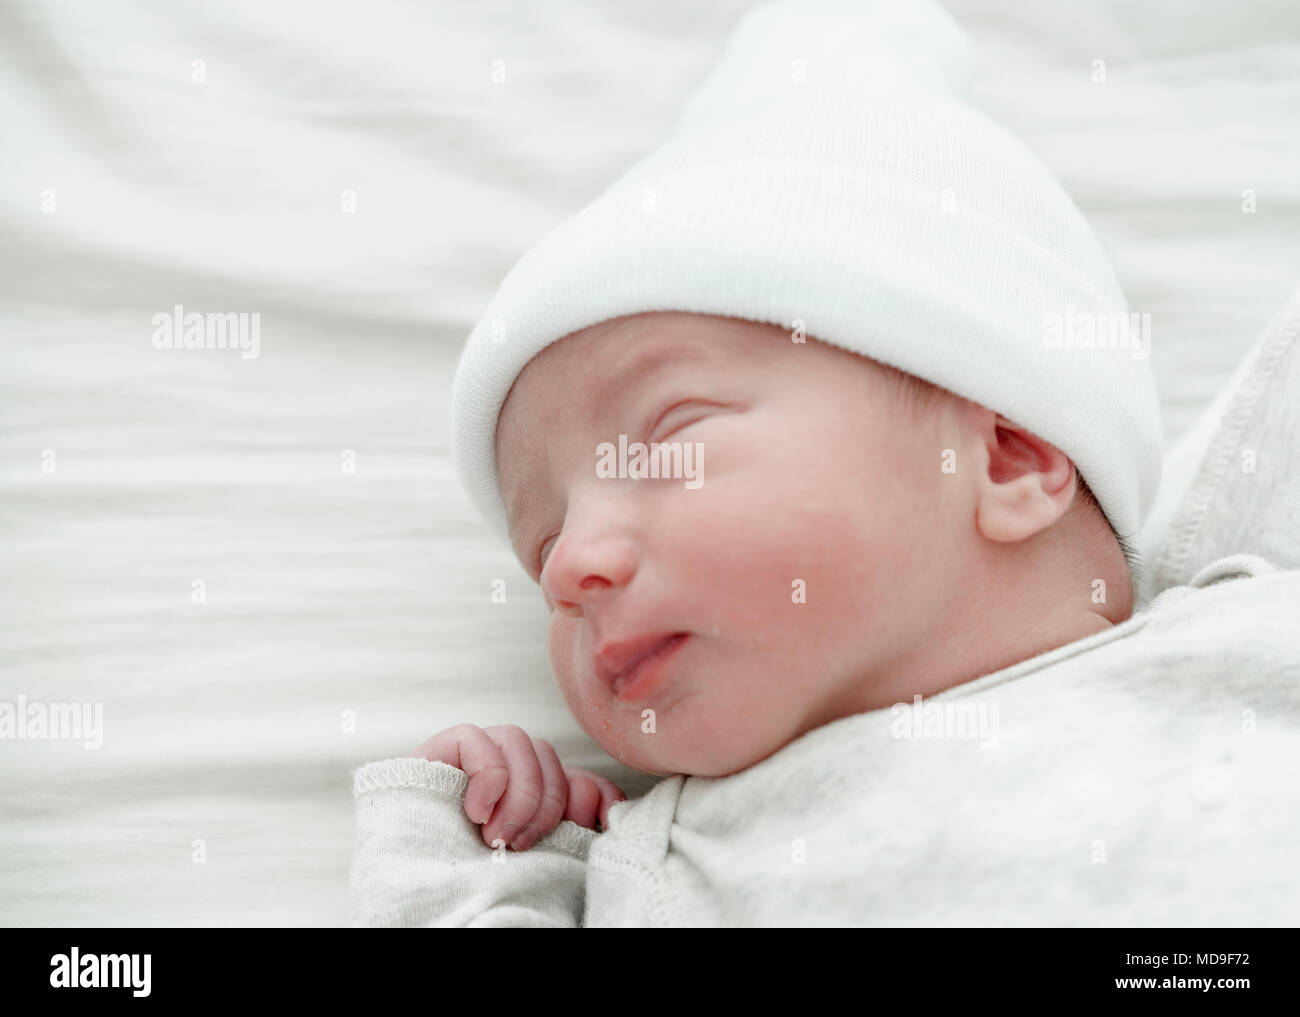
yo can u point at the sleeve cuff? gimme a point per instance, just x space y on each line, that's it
409 771
451 782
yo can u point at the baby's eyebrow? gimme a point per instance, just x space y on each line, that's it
640 366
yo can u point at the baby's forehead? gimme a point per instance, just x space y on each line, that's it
601 367
593 374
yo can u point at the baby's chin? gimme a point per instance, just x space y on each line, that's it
702 756
694 729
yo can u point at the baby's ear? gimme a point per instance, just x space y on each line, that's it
1026 485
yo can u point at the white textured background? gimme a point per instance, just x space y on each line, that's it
370 592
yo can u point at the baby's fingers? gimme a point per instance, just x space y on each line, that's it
590 796
555 796
471 749
523 789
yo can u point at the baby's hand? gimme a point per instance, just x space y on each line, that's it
518 791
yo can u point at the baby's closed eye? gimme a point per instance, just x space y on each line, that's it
677 417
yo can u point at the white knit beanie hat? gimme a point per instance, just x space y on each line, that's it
827 176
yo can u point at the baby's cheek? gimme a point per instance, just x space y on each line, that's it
585 696
565 653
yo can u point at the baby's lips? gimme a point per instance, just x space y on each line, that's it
615 658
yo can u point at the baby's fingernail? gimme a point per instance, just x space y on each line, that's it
525 839
508 832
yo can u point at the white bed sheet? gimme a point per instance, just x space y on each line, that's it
328 591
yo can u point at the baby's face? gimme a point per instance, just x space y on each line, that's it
803 571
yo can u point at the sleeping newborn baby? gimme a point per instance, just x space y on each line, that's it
823 432
825 566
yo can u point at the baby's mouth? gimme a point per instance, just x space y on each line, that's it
624 664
